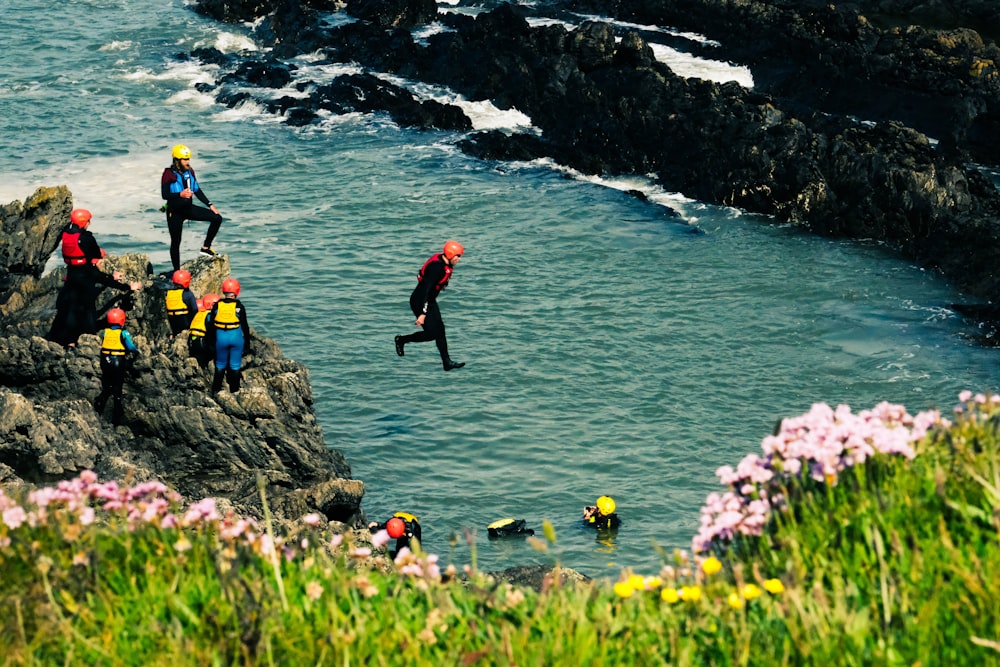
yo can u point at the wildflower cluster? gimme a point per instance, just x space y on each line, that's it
73 505
818 445
691 585
68 508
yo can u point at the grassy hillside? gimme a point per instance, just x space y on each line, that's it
867 539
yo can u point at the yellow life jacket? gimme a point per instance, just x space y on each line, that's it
406 516
175 302
197 327
113 345
225 315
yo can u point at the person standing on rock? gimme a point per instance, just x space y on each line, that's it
228 322
179 186
117 351
182 304
76 312
432 278
199 344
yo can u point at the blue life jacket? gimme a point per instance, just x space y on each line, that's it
182 180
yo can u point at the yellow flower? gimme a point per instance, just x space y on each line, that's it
690 593
734 600
652 582
669 595
637 582
774 586
624 589
751 591
711 565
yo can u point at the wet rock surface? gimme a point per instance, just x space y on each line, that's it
175 429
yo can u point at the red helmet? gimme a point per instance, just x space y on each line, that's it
453 249
209 300
396 527
182 278
231 285
201 303
116 316
80 217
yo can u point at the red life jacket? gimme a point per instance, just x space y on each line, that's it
72 254
447 272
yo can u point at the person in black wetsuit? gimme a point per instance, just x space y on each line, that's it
201 346
76 312
601 514
403 527
182 304
179 186
117 352
432 278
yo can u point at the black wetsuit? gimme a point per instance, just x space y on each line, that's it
412 532
76 312
180 209
605 521
423 301
113 369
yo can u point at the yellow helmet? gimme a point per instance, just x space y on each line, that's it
182 152
606 505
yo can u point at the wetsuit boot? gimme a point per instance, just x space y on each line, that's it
449 364
399 345
233 378
99 402
217 380
117 412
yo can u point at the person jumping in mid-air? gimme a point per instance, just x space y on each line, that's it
179 186
432 278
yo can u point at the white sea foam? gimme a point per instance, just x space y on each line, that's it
335 19
688 66
538 22
685 206
247 110
228 42
117 45
187 71
486 116
421 35
323 72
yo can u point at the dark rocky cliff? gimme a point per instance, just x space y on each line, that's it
175 430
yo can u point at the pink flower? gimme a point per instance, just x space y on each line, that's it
14 517
87 516
380 538
311 519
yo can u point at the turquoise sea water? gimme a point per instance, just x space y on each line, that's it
611 348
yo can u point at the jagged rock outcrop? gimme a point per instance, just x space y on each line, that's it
175 429
929 64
